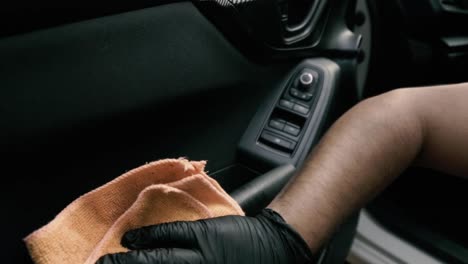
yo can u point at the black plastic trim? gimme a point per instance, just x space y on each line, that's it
302 30
257 155
258 193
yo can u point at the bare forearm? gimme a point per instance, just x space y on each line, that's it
363 152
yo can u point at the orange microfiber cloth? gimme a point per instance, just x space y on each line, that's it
162 191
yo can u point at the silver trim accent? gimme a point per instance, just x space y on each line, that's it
308 81
374 244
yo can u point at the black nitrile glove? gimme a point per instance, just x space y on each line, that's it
264 239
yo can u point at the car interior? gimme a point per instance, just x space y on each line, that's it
250 86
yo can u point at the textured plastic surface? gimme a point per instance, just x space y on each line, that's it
258 193
66 76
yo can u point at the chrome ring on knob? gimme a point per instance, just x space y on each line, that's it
306 79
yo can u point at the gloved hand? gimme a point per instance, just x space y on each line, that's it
264 239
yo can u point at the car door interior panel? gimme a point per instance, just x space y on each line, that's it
249 86
76 66
83 102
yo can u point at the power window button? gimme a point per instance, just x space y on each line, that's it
277 124
301 109
292 130
286 104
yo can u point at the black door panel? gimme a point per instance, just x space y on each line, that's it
111 65
82 103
